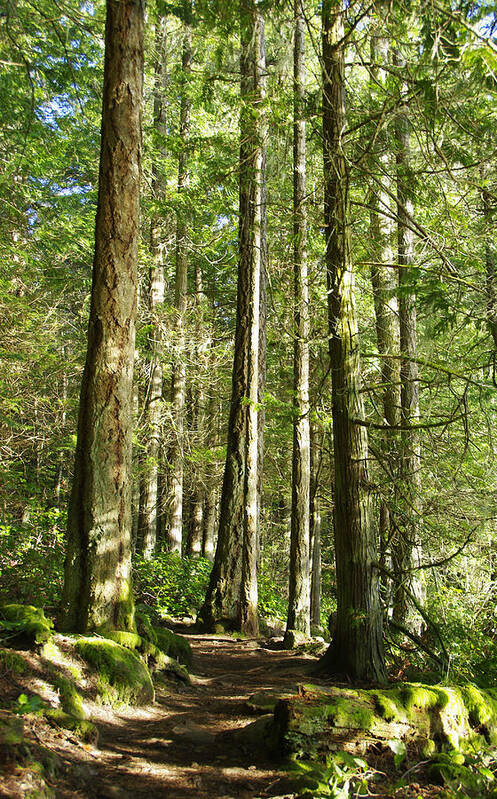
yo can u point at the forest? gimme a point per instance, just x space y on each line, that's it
248 399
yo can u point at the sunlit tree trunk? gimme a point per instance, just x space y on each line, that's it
97 586
299 584
357 647
176 454
406 548
232 593
147 520
384 282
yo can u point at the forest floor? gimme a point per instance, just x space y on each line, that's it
185 745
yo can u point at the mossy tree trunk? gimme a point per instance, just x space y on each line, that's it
315 527
299 583
357 647
97 586
232 593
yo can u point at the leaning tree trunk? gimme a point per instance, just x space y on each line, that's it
357 647
406 549
232 594
299 583
97 586
176 454
147 518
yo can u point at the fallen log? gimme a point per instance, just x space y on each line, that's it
427 718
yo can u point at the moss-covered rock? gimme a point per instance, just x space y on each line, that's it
25 621
427 717
144 626
155 658
174 645
82 728
11 729
122 677
12 662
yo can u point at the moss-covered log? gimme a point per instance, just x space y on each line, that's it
427 718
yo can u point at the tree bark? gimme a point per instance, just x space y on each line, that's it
97 586
299 583
147 519
232 594
176 455
357 647
315 521
384 283
406 547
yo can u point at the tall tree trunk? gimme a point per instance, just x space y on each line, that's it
299 584
147 520
176 455
195 532
490 267
232 593
357 647
406 549
59 476
315 528
384 282
97 586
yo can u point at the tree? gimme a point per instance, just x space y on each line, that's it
176 455
147 518
299 586
97 585
357 646
232 593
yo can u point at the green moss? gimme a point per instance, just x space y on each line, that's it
26 620
129 640
388 705
70 698
353 713
174 645
482 706
144 627
122 676
83 729
11 662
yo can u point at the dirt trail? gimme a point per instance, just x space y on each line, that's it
177 750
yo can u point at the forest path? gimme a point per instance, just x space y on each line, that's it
179 750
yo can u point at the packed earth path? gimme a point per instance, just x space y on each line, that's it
192 743
186 749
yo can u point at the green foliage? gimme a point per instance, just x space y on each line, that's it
173 585
24 620
28 704
32 557
341 776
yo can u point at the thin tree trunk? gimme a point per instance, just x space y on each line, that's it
406 549
176 455
232 594
147 520
299 584
357 647
59 478
97 586
315 529
384 282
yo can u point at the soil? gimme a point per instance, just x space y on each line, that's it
185 745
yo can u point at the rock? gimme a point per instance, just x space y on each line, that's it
11 729
193 733
266 700
123 677
294 638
